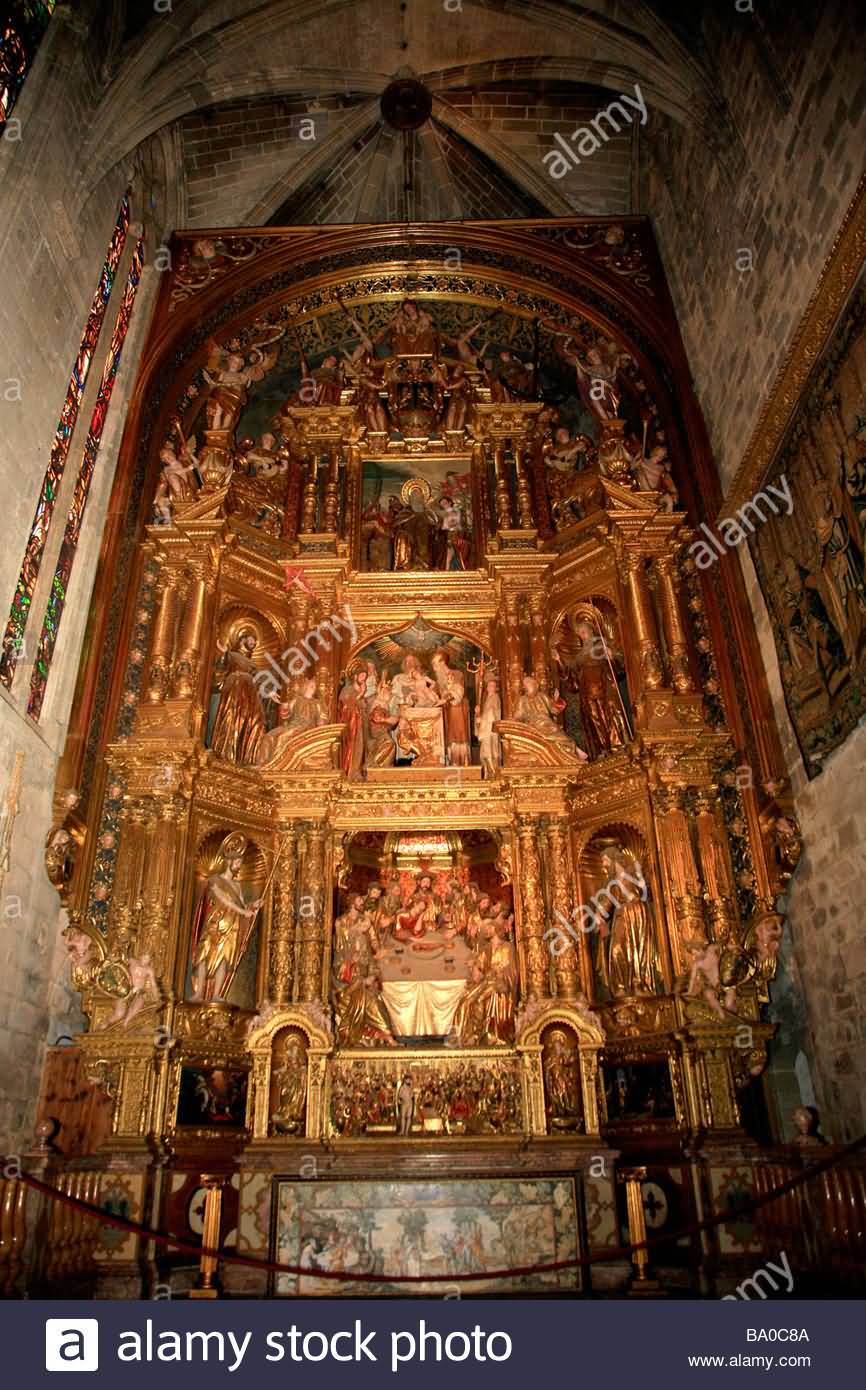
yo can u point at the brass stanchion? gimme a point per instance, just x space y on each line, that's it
210 1237
641 1284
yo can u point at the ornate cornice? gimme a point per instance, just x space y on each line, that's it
835 283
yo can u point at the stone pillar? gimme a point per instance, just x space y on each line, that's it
281 963
189 636
538 647
311 908
644 621
162 638
676 632
566 967
535 953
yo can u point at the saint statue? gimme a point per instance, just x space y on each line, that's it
488 738
537 710
240 720
628 961
601 711
414 527
223 924
561 1067
289 1089
296 715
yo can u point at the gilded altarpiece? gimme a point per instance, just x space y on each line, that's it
406 843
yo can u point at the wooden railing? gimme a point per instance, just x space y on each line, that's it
13 1197
820 1224
54 1240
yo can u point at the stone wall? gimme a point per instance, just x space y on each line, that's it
769 192
51 259
825 907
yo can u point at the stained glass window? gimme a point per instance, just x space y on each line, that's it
75 517
13 638
20 32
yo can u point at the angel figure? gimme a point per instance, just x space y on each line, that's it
230 376
143 992
223 925
704 980
463 343
597 376
569 454
176 470
652 473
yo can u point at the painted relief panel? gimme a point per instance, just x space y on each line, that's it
810 562
418 1229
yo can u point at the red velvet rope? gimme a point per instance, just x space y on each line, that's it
617 1252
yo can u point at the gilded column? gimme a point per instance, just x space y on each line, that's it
538 638
513 658
311 907
329 508
536 955
129 868
189 635
644 621
300 609
162 639
565 964
676 633
160 880
309 505
715 863
673 827
503 491
281 964
524 492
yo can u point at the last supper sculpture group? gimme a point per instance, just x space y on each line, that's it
412 680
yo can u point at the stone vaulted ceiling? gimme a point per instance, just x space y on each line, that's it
248 113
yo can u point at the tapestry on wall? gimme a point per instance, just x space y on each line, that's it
811 562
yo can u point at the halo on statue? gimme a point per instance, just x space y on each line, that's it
413 485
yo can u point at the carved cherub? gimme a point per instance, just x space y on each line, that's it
144 991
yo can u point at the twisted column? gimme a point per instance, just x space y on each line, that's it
536 955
